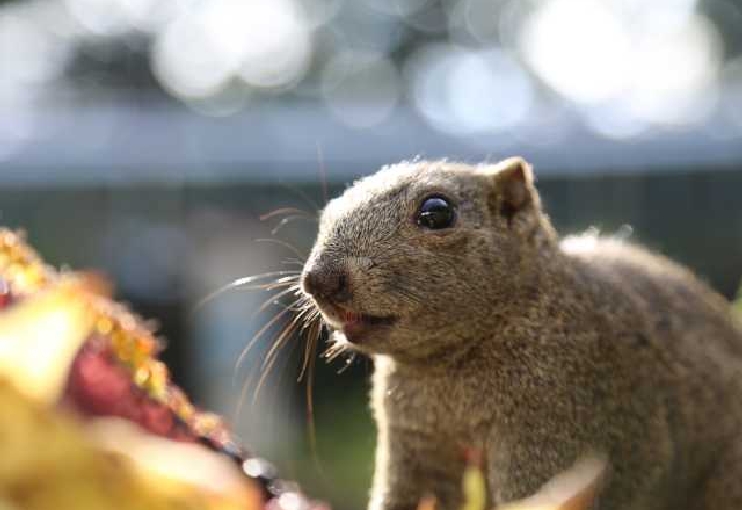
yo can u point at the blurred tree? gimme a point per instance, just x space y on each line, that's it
118 64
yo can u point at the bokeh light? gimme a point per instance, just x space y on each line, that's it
613 119
113 17
675 73
630 62
464 91
265 44
278 47
102 17
29 54
579 48
185 59
471 66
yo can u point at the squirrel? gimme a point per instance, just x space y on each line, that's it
489 333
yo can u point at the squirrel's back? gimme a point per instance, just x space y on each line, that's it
667 296
680 336
690 330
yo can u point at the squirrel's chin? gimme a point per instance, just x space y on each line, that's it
362 336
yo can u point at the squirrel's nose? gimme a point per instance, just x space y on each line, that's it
326 283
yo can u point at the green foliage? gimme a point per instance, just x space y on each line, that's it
340 469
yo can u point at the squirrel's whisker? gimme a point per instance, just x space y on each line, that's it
244 284
284 210
270 357
293 262
310 349
275 299
258 335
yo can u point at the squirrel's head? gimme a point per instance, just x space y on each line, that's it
420 257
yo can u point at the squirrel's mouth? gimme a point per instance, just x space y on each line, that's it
355 325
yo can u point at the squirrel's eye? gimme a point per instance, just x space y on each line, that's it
436 213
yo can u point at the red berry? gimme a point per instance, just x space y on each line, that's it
96 384
157 418
5 296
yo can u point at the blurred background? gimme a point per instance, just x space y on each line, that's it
146 138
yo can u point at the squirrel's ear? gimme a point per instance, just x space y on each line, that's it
513 183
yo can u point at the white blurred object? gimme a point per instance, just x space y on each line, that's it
614 119
656 16
103 17
149 15
266 44
579 48
185 59
16 125
639 62
278 46
465 91
29 54
578 488
675 73
113 17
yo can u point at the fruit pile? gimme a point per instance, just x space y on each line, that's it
116 430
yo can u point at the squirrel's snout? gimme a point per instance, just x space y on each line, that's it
327 283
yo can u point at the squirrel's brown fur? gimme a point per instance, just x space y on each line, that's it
532 350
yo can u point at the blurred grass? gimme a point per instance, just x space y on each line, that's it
340 470
340 467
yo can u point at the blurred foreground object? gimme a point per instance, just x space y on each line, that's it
577 488
89 417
